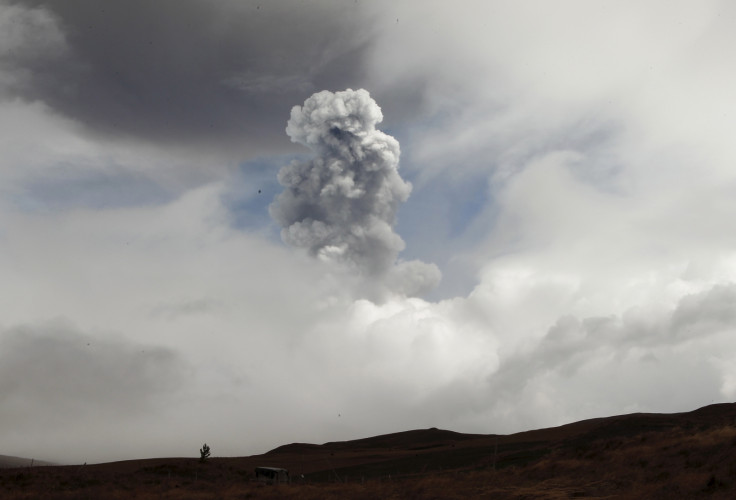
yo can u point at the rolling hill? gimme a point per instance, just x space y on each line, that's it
641 455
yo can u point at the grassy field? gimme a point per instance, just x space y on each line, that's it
690 455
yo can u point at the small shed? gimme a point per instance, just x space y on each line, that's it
272 475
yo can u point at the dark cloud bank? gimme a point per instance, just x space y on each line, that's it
212 74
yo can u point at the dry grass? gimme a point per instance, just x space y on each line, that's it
689 461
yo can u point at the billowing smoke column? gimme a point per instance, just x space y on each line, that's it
342 204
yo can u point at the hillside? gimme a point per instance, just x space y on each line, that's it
641 455
10 462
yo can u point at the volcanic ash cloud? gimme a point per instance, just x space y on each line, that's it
341 205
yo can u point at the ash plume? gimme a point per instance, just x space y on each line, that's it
341 205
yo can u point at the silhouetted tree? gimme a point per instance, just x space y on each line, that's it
204 453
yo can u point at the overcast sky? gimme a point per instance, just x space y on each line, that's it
254 223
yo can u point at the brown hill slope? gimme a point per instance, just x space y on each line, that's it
683 455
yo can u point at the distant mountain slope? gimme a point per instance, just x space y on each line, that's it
636 423
10 462
411 452
603 427
414 439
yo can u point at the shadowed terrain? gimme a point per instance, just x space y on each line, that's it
684 455
8 461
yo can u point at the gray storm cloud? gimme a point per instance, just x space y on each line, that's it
211 75
341 205
53 374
